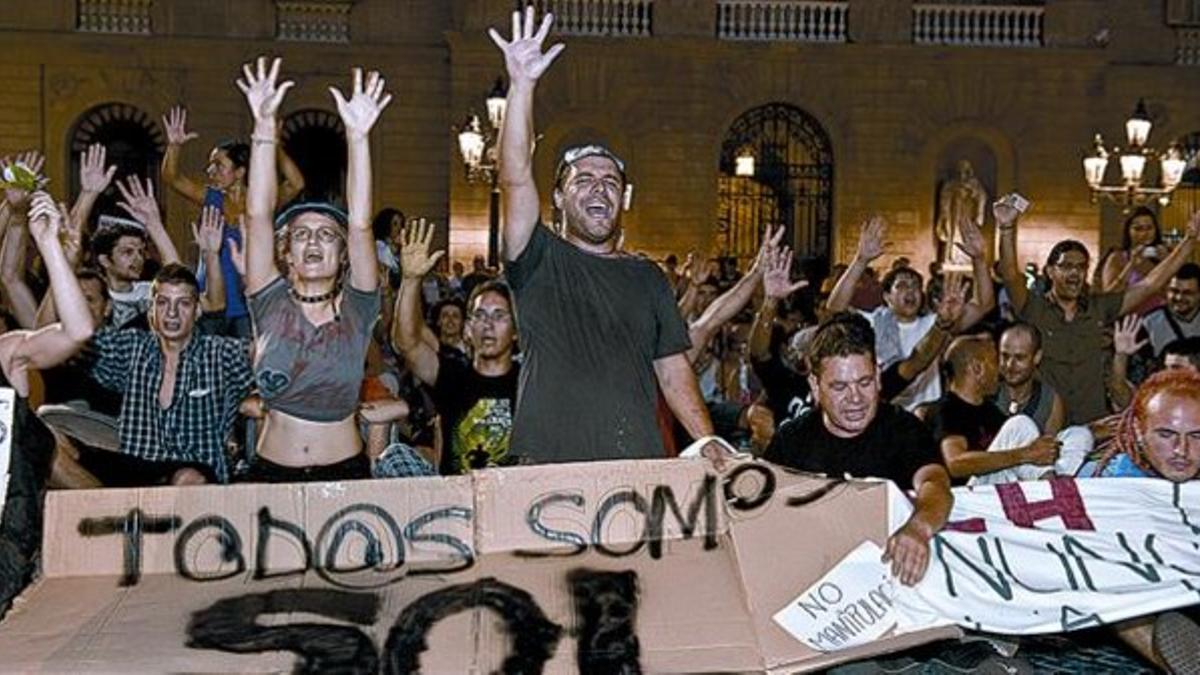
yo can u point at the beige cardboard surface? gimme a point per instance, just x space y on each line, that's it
680 567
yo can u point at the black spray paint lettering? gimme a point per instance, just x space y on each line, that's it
697 518
132 527
534 637
229 625
383 548
606 606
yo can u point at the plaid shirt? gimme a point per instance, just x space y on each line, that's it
214 376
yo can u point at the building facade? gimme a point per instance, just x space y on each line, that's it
843 108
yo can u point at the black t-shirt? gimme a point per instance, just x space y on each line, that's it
591 329
477 415
979 424
894 446
787 391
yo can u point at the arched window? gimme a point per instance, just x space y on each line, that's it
776 167
134 142
1186 198
316 141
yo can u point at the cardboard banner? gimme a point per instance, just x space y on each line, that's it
657 566
1058 555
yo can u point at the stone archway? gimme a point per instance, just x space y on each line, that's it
791 182
134 144
316 140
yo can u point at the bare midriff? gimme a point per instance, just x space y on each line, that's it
291 441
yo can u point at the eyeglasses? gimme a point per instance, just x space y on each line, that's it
325 235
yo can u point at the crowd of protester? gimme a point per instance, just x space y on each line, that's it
315 342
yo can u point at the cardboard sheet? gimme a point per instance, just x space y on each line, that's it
575 567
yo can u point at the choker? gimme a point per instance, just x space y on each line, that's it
313 299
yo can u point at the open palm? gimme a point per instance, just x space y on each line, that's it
523 56
263 94
415 258
360 112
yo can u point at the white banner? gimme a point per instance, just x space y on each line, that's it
1053 556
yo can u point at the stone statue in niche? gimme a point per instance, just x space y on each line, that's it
961 199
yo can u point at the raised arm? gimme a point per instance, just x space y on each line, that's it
1158 277
72 243
407 326
264 97
208 232
139 202
13 254
870 247
729 303
13 251
950 310
1010 270
53 344
525 62
985 294
175 126
359 114
293 179
1125 345
94 179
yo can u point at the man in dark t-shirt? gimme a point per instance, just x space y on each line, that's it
476 401
600 331
852 432
975 437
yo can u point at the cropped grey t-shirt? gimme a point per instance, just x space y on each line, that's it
311 372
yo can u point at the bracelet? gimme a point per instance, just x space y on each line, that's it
263 140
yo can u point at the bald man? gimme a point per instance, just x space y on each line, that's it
978 442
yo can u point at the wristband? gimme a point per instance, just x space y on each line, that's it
263 140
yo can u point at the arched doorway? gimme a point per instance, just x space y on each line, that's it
776 167
316 140
134 144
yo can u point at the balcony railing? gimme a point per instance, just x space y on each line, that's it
783 20
114 16
313 21
618 18
978 25
1187 51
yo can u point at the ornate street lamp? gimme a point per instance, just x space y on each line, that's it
478 143
1131 191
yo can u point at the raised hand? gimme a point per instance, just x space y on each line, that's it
175 124
139 201
415 258
18 182
263 93
770 243
93 176
777 271
45 218
1193 225
953 303
523 56
1125 334
1005 213
972 241
209 230
870 238
237 253
366 103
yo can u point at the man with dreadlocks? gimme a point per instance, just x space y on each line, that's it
1159 436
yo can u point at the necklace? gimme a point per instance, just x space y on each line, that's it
313 299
